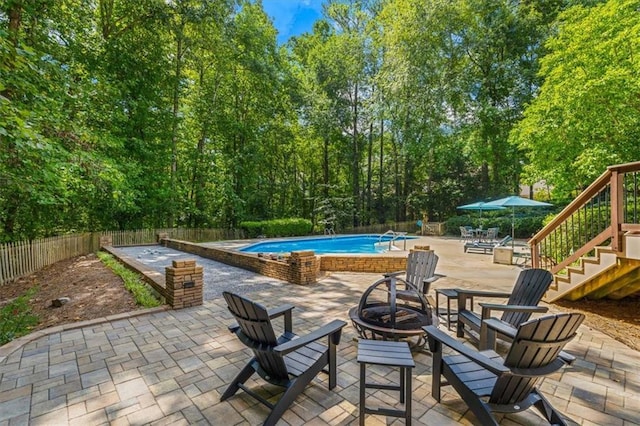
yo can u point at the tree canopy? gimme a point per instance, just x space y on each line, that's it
587 113
122 115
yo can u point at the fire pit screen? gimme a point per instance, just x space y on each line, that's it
392 308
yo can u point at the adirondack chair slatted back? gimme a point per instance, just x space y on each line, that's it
421 264
528 290
536 344
257 329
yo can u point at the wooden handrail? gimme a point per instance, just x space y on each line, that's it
613 178
626 167
586 195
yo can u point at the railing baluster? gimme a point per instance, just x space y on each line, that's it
611 202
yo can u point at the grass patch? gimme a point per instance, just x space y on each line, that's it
16 318
132 282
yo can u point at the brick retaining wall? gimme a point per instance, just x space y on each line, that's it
301 267
371 263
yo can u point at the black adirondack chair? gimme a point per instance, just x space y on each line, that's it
490 384
421 272
527 292
288 361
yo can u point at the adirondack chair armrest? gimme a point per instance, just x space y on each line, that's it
393 274
438 338
488 307
280 310
482 293
494 324
426 283
286 311
464 294
332 329
433 279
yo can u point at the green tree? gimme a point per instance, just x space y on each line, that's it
587 114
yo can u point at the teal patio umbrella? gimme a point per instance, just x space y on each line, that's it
480 205
514 201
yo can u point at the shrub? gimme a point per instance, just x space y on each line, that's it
252 229
277 227
141 292
16 318
526 224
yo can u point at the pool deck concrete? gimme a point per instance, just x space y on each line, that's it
170 367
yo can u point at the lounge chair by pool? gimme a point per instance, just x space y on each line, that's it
478 246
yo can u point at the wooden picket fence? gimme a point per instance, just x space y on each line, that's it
24 257
150 236
411 227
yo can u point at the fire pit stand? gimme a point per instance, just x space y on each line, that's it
392 309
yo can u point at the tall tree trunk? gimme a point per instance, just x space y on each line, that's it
174 127
106 18
406 187
355 178
325 167
380 204
369 207
396 176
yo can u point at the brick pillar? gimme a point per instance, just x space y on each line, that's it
303 267
106 240
184 284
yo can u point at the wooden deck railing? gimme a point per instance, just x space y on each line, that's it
599 216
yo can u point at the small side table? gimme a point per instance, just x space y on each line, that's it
392 354
449 293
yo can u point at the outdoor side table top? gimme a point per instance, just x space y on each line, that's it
392 354
451 315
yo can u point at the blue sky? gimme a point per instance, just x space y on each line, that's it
293 17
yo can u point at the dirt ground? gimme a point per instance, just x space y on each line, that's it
96 292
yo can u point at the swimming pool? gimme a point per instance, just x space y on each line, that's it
325 245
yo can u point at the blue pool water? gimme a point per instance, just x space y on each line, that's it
324 245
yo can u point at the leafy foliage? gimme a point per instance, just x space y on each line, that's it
120 115
586 115
277 227
16 318
142 293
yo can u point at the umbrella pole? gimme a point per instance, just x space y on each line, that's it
513 227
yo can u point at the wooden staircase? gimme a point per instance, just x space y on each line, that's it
593 246
605 275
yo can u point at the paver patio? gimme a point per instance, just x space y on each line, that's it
170 367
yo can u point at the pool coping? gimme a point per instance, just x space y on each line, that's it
259 241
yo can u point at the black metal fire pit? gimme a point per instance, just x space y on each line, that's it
392 309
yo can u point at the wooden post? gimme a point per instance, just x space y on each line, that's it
106 240
617 215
